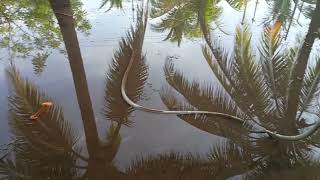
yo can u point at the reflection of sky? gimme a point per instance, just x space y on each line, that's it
151 133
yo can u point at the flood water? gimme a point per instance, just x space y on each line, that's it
257 61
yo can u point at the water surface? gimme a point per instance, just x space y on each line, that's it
172 73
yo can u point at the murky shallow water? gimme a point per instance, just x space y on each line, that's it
223 148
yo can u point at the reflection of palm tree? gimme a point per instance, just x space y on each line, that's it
259 90
43 148
183 17
46 148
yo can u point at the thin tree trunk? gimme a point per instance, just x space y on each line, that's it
300 66
64 15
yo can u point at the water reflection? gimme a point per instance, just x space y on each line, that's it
185 18
28 29
278 90
252 87
47 148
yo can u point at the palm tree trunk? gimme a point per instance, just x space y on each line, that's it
300 66
63 12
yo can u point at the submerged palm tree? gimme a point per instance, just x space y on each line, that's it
276 91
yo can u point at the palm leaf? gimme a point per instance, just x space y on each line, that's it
113 3
248 79
224 161
48 143
205 98
274 63
236 4
112 143
115 108
26 100
310 89
160 7
168 166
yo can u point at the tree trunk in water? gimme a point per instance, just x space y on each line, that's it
63 12
300 67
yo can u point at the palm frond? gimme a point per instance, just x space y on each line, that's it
161 7
249 79
223 161
310 88
47 144
113 141
186 18
228 159
236 4
113 3
274 63
115 108
19 169
217 126
207 98
220 66
26 100
168 166
204 98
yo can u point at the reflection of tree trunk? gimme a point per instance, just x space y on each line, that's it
62 9
300 67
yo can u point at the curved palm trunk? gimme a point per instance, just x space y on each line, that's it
298 72
63 12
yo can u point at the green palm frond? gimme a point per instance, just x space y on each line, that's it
47 143
248 77
52 132
160 7
115 108
220 66
39 63
218 126
180 21
186 18
205 98
113 3
113 141
280 11
236 4
274 63
310 88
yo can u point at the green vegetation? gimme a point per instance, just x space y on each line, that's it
28 29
